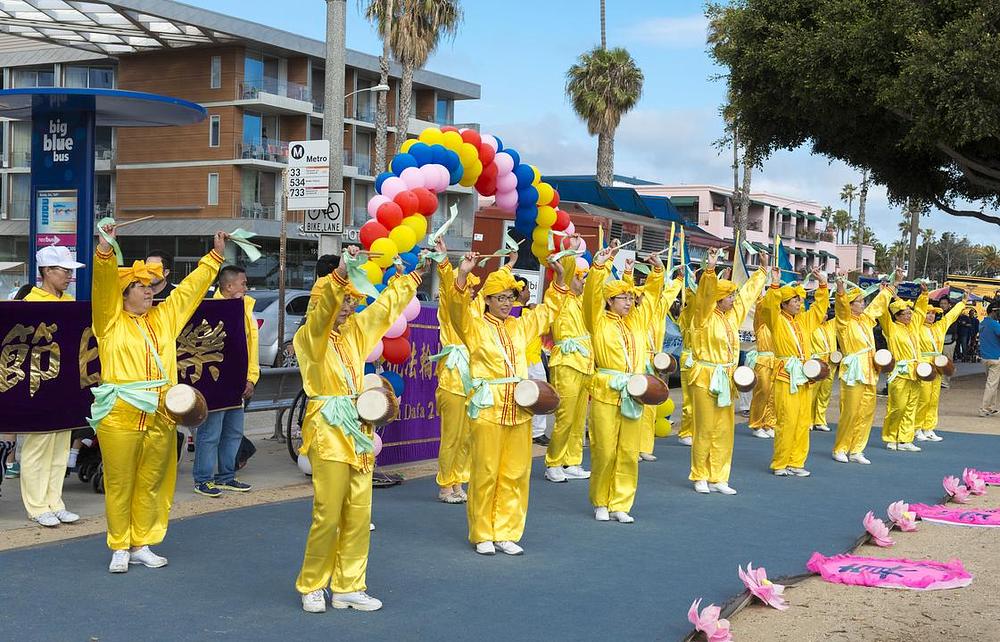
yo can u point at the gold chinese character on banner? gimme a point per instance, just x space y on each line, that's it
88 355
15 350
198 347
13 353
426 365
37 374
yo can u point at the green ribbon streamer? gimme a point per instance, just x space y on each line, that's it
112 241
750 360
750 249
437 257
796 377
452 215
456 357
902 367
482 395
719 384
140 394
357 275
569 345
563 254
240 239
642 268
340 412
630 408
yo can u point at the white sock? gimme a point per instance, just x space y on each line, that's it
73 452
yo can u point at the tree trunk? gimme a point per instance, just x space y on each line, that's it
743 209
911 270
405 92
605 159
861 219
927 253
382 115
604 28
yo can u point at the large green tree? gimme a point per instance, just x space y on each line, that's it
907 89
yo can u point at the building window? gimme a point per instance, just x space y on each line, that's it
43 77
213 189
20 197
90 77
216 72
214 131
445 112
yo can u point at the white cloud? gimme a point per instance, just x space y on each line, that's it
673 33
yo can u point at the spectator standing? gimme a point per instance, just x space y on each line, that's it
989 352
964 336
950 337
161 287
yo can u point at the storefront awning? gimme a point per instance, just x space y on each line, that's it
684 201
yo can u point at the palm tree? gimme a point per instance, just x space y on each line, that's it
842 221
380 13
415 29
989 260
847 194
827 213
604 85
862 200
604 27
927 237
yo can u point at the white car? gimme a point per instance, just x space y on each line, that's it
265 310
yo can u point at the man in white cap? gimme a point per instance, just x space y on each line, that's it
44 455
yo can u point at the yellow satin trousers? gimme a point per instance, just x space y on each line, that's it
791 432
456 440
762 403
901 416
822 391
687 408
43 468
337 547
140 473
498 485
647 433
614 457
712 448
927 411
857 412
566 444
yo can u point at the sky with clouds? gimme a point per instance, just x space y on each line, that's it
519 51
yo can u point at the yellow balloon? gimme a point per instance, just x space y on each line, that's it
373 272
431 136
662 427
540 250
407 144
667 408
468 179
387 250
540 236
545 193
468 153
417 223
404 237
452 140
538 177
546 216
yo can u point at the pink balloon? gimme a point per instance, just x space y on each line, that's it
397 328
506 183
505 163
430 175
581 263
412 309
413 178
490 140
376 353
377 447
444 178
376 202
507 200
570 229
392 186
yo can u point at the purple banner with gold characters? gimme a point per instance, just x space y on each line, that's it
48 361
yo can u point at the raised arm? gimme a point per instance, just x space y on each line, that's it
951 315
538 320
370 324
178 307
460 301
593 288
748 294
325 301
106 295
919 312
821 301
878 307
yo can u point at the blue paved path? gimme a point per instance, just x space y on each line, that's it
231 574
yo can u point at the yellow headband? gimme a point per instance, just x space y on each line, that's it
899 305
617 288
853 294
472 281
789 292
500 281
935 310
140 271
725 287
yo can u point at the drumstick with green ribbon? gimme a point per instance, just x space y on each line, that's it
240 238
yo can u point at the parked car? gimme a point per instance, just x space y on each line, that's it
265 309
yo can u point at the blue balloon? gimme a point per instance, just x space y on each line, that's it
524 227
513 154
589 257
401 162
527 195
524 175
409 261
389 273
369 368
439 154
456 174
499 143
381 179
422 153
452 161
380 286
395 381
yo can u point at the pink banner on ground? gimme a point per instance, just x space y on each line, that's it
993 479
922 575
964 516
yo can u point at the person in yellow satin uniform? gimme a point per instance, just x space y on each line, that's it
137 344
685 436
571 367
931 345
901 324
501 430
791 328
453 380
858 376
762 419
719 308
618 332
824 342
331 347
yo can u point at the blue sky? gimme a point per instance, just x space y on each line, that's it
519 51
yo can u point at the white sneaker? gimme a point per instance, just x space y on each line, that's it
909 447
841 457
759 433
314 602
509 548
66 517
119 562
555 474
576 472
770 433
147 558
821 428
722 487
920 436
781 472
601 514
686 441
647 457
486 548
371 526
859 458
891 445
701 486
799 472
933 436
357 600
622 517
47 519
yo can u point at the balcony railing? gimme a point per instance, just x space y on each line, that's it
104 208
366 113
756 226
251 89
806 235
266 149
104 152
256 210
361 161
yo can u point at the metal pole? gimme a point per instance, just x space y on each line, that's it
333 112
282 245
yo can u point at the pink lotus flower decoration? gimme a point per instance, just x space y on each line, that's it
958 493
708 622
975 483
878 530
899 513
755 579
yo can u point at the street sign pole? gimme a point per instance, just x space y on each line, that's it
282 256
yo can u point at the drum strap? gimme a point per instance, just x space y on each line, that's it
902 367
850 367
340 411
719 385
456 357
570 345
482 394
630 408
796 377
753 355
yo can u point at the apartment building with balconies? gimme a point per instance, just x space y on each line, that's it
261 87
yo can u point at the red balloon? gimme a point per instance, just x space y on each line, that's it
396 351
371 232
486 154
406 332
471 136
389 215
562 221
408 202
490 170
449 128
486 186
555 198
427 202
